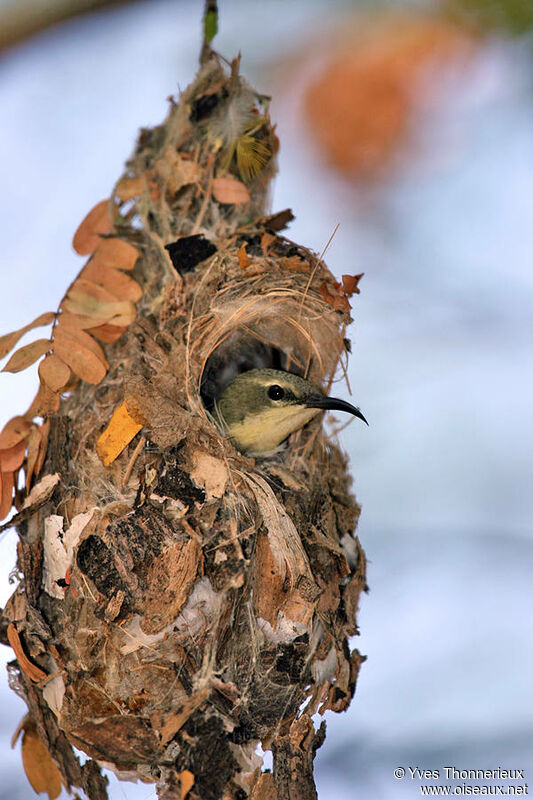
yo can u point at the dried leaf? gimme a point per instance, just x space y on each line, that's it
92 300
27 355
11 459
96 223
350 283
121 430
121 286
33 672
9 340
244 261
115 253
54 372
186 783
48 401
6 493
294 264
83 355
40 770
107 333
334 296
128 188
13 432
230 191
79 321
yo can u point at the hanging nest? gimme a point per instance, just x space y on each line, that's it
179 602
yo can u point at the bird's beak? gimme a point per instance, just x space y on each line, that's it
332 404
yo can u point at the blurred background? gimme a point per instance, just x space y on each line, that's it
411 125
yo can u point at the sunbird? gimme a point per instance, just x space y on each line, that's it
261 407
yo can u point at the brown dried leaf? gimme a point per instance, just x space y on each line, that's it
350 284
6 493
294 264
128 188
33 672
92 300
54 372
40 770
13 432
27 355
79 321
277 221
115 253
83 355
230 191
334 296
242 255
11 459
9 340
107 333
121 430
121 286
48 401
96 223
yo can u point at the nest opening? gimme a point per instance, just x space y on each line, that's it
240 352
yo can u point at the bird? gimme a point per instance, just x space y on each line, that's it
262 407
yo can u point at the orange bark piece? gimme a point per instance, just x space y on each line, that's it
121 286
115 253
96 223
186 783
13 432
230 191
242 255
40 770
33 672
11 460
27 355
121 430
54 372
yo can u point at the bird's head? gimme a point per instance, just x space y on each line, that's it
260 408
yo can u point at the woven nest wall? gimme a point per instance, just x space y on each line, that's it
180 603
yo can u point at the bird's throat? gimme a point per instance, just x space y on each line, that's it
263 432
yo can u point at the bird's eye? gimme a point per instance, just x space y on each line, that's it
275 392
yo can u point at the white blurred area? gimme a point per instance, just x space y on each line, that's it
442 364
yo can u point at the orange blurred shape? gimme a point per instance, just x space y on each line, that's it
361 106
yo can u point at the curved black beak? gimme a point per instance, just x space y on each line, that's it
332 404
